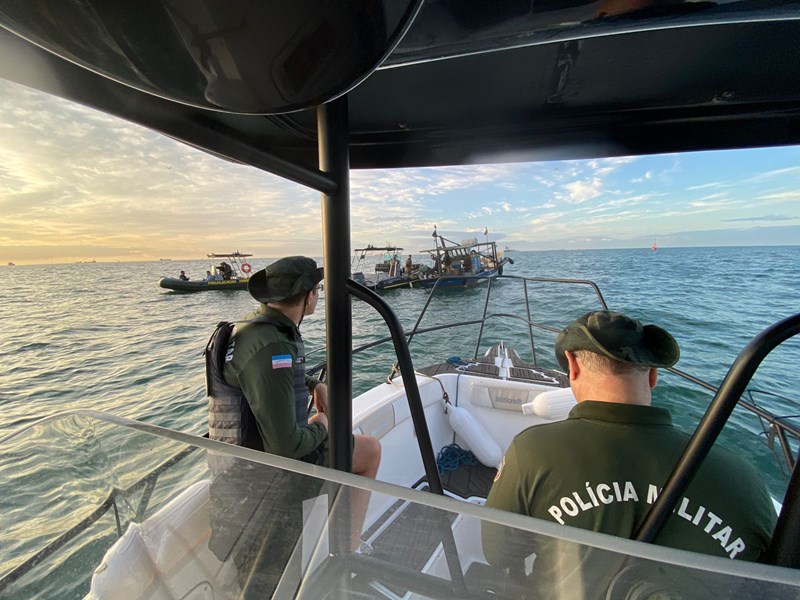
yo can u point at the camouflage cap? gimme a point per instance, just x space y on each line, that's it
284 278
616 336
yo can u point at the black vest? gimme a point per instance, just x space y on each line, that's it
229 416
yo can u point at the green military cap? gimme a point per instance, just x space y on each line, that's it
284 278
616 336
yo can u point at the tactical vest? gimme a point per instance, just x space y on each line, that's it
229 416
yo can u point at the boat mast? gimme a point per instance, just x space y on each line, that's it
438 260
334 159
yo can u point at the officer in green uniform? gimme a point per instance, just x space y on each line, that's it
256 511
601 468
266 361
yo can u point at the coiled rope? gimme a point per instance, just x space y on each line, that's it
452 456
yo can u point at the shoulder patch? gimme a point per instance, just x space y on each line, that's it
500 468
282 361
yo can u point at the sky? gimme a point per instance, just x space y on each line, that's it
78 185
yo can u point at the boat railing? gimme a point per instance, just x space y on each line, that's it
526 282
777 430
486 316
437 514
784 549
407 369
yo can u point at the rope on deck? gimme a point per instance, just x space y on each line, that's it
453 456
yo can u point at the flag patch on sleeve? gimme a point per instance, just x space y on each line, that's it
282 361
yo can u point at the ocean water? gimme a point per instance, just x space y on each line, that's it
106 337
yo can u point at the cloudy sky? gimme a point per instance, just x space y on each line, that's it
80 185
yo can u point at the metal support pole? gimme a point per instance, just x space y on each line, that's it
334 158
721 407
784 549
406 366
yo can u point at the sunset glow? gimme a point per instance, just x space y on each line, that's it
78 185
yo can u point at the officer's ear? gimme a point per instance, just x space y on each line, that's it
652 377
574 367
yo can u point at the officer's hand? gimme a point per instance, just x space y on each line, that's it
321 417
321 398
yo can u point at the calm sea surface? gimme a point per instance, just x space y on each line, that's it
106 337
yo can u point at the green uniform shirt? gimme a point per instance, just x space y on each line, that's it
601 469
270 392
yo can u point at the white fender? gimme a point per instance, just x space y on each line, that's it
477 438
554 405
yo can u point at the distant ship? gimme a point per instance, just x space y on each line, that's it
654 246
11 264
507 249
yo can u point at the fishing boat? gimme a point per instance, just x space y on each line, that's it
389 268
462 265
232 273
393 85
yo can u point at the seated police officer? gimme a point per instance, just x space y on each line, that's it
602 467
265 362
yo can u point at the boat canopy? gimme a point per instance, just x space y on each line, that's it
380 249
441 83
463 248
232 255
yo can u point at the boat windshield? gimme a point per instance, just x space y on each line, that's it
146 512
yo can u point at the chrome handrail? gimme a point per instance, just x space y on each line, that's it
773 426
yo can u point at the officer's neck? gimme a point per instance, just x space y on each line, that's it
609 388
293 313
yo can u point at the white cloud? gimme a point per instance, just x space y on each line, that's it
779 197
581 191
710 199
644 178
703 186
629 200
772 174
